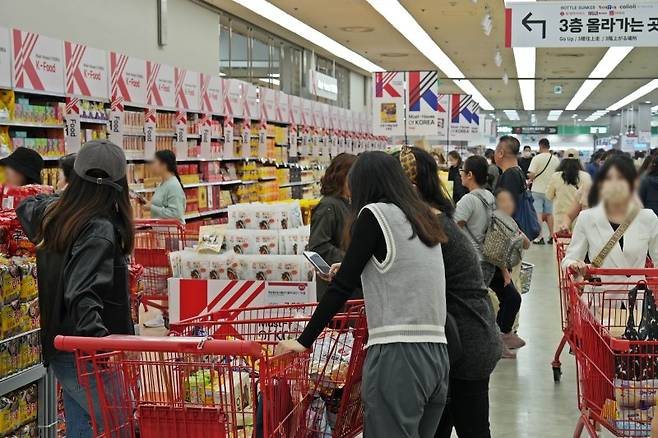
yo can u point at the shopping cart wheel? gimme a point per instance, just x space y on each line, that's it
557 373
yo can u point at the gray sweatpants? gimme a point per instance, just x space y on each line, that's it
404 389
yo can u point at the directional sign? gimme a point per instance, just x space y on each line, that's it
586 23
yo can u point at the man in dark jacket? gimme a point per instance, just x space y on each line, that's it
649 188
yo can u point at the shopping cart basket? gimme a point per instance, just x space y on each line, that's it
562 240
617 360
154 240
202 387
333 408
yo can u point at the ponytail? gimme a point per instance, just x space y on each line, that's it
168 158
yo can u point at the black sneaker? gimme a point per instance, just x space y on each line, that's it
549 241
539 242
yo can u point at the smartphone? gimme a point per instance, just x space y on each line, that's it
318 262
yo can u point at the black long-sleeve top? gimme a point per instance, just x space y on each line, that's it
367 241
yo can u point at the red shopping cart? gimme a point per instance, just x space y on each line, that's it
334 408
615 339
222 386
154 240
562 241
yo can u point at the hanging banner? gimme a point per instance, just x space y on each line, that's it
115 124
423 108
295 107
160 85
128 78
149 133
267 103
388 103
229 147
38 62
585 23
465 118
186 84
211 94
5 58
181 134
86 71
282 110
72 125
205 134
250 99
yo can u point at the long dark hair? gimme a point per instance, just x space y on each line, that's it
333 181
428 185
624 165
570 168
378 177
168 158
455 156
66 164
81 202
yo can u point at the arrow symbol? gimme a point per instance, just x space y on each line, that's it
527 22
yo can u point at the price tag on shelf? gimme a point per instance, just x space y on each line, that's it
181 134
306 139
72 125
205 132
115 124
149 133
245 148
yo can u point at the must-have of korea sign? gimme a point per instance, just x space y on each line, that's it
582 24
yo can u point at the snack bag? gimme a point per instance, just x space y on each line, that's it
28 271
288 268
13 196
240 241
10 278
267 242
242 216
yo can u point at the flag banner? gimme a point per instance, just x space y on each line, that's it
426 108
464 119
388 103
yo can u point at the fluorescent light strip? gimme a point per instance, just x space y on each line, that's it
635 95
525 59
408 27
512 114
606 65
269 11
554 115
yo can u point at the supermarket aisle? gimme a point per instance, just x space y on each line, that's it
524 400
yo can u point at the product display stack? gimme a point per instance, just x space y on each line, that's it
256 259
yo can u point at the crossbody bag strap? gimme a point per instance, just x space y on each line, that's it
616 236
488 207
545 167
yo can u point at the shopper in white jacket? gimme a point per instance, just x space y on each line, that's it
612 199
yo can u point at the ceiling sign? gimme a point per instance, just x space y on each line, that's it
38 62
160 85
211 94
282 107
187 89
532 130
86 71
388 103
587 23
5 58
250 101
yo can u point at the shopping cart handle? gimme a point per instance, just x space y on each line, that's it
622 272
170 344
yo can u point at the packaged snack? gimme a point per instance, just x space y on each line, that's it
30 315
235 270
10 278
27 404
211 238
258 267
240 241
242 216
29 431
28 271
288 268
10 315
12 196
293 241
271 217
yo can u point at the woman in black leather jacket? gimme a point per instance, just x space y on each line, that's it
84 237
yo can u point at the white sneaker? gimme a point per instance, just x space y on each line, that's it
155 322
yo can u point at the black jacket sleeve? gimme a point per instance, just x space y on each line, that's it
324 225
30 213
88 275
368 241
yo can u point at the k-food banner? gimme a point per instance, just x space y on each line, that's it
388 103
465 118
427 110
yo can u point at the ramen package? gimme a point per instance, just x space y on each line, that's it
263 242
272 217
242 216
12 196
28 270
29 314
10 280
258 267
288 268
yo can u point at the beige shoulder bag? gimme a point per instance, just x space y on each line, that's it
600 257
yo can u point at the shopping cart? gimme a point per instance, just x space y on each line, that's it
562 240
154 240
617 361
333 408
210 387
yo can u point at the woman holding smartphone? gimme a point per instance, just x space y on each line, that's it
395 253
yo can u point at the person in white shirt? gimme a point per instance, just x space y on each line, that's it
542 167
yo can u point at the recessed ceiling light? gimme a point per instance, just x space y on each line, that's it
358 29
269 11
647 101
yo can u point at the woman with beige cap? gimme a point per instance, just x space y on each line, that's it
565 184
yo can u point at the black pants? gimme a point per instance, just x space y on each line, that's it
510 301
467 410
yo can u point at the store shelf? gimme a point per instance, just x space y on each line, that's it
205 213
94 121
247 183
268 178
19 124
165 134
133 134
22 378
192 185
295 184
